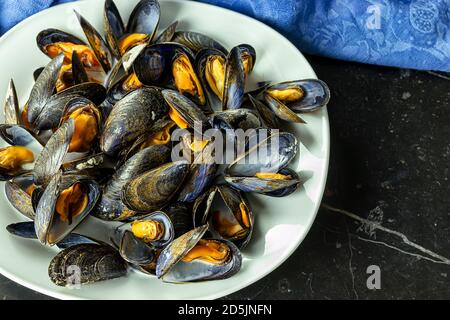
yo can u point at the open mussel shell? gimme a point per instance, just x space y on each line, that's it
18 192
17 135
26 230
144 18
110 206
11 107
204 61
96 42
97 262
50 115
43 88
79 73
185 76
155 188
189 112
234 87
131 117
309 94
51 157
228 213
151 64
197 41
248 56
236 119
48 37
113 26
270 186
51 225
268 152
172 268
131 239
281 110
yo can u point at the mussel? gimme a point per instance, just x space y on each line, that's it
300 96
131 117
110 206
155 188
228 213
64 203
86 263
190 258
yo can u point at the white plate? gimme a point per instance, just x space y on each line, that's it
281 224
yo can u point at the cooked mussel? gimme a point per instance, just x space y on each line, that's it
86 263
142 25
87 120
19 157
54 42
110 206
236 119
64 203
300 96
228 213
153 189
181 217
139 239
190 258
113 26
130 118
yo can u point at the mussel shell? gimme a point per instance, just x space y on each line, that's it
187 109
37 72
18 197
269 187
154 189
144 18
247 49
17 135
168 33
197 41
43 88
51 36
110 206
265 113
234 88
96 262
50 115
26 230
180 216
49 228
97 43
178 249
51 157
131 117
201 271
236 119
281 110
260 157
201 58
78 71
11 107
317 94
134 250
113 26
153 63
169 232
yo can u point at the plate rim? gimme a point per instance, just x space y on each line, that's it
322 182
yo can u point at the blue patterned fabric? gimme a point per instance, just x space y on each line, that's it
402 33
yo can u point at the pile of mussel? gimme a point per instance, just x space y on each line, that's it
94 139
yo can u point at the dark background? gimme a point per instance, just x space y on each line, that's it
389 165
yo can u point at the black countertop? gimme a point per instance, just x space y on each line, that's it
387 201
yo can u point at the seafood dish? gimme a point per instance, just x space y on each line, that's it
139 126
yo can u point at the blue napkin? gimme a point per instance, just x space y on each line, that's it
402 33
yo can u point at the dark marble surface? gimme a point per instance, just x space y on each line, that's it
387 199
